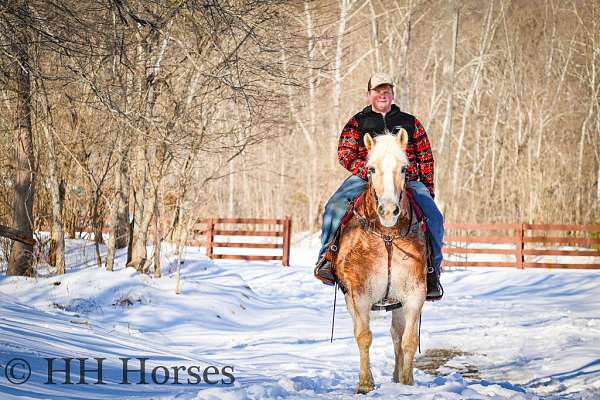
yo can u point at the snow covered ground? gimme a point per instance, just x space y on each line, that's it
498 334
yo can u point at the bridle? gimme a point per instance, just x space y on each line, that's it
370 226
388 239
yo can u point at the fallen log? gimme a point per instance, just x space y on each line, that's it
15 234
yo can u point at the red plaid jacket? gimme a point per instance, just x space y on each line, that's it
352 153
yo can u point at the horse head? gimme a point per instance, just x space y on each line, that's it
387 162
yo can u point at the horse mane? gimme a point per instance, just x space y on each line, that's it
386 145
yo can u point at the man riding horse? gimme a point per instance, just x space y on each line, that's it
383 116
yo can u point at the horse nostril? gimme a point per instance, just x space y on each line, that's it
380 209
396 211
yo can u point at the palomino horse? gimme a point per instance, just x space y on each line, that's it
382 258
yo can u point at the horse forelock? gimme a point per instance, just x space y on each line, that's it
386 148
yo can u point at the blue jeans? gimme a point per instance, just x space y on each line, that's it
335 209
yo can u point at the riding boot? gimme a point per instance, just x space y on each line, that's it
435 291
324 273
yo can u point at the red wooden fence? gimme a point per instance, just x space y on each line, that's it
219 237
519 243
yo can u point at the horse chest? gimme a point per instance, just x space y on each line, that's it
398 275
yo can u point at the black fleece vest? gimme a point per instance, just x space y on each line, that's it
376 124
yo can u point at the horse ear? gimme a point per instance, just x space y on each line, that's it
368 142
402 138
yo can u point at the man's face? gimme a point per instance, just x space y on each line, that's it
381 98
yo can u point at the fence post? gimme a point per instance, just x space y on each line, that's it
287 233
520 245
210 236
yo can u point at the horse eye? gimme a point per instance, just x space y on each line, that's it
371 170
402 170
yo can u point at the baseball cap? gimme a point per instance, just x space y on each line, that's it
380 78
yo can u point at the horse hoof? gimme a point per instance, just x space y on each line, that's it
364 388
408 381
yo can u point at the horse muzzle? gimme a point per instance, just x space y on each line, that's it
388 212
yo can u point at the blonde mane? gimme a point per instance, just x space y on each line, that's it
386 145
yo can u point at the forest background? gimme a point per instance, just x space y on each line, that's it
165 112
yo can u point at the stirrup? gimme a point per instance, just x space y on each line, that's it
434 294
436 297
330 281
386 306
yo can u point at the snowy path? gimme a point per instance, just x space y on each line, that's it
518 334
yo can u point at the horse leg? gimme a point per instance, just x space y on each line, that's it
409 344
364 337
397 329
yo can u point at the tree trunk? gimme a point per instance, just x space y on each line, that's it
21 254
118 222
157 240
486 38
446 131
598 190
122 227
142 218
186 227
404 78
231 190
57 192
345 6
97 227
150 93
375 37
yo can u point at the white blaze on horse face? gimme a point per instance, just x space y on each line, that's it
388 201
388 168
387 157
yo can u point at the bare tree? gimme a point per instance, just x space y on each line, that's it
15 31
447 127
56 187
486 39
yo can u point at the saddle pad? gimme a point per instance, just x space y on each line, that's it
416 208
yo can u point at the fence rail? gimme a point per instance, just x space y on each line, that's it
525 242
218 237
